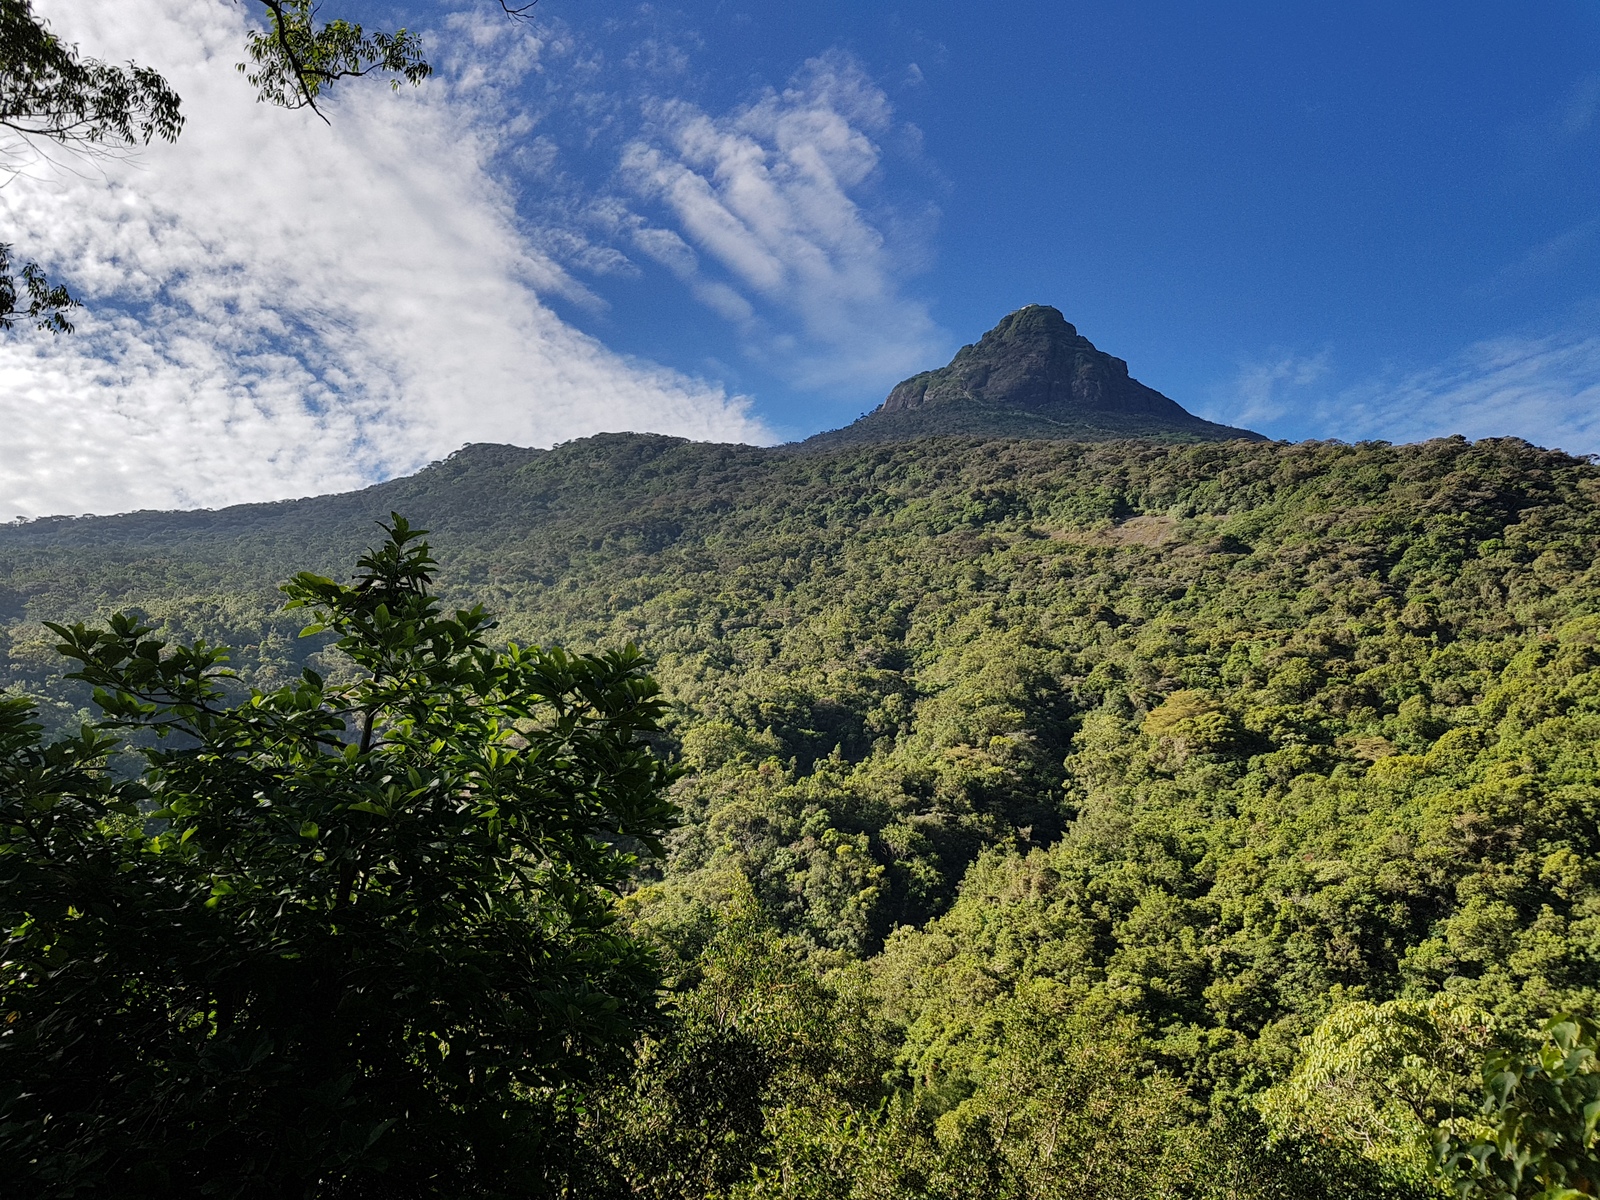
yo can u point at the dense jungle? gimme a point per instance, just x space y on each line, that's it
1053 819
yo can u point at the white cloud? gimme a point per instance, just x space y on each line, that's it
279 307
771 195
1543 388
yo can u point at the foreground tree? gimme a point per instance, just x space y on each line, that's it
370 949
1387 1080
1441 1093
1538 1138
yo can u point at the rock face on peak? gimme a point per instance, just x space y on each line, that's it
1032 375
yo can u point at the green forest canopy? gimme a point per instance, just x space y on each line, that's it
1190 743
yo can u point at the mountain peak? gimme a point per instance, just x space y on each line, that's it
1032 375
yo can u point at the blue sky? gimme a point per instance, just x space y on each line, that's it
1261 206
748 221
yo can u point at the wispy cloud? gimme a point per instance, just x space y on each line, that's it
762 212
1543 388
280 307
1583 101
1268 389
1551 255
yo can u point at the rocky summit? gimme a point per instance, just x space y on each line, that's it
1033 375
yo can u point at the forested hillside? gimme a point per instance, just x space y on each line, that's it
1030 777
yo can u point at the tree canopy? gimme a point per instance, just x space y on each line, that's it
344 936
1233 794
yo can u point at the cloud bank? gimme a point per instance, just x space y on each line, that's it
278 307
